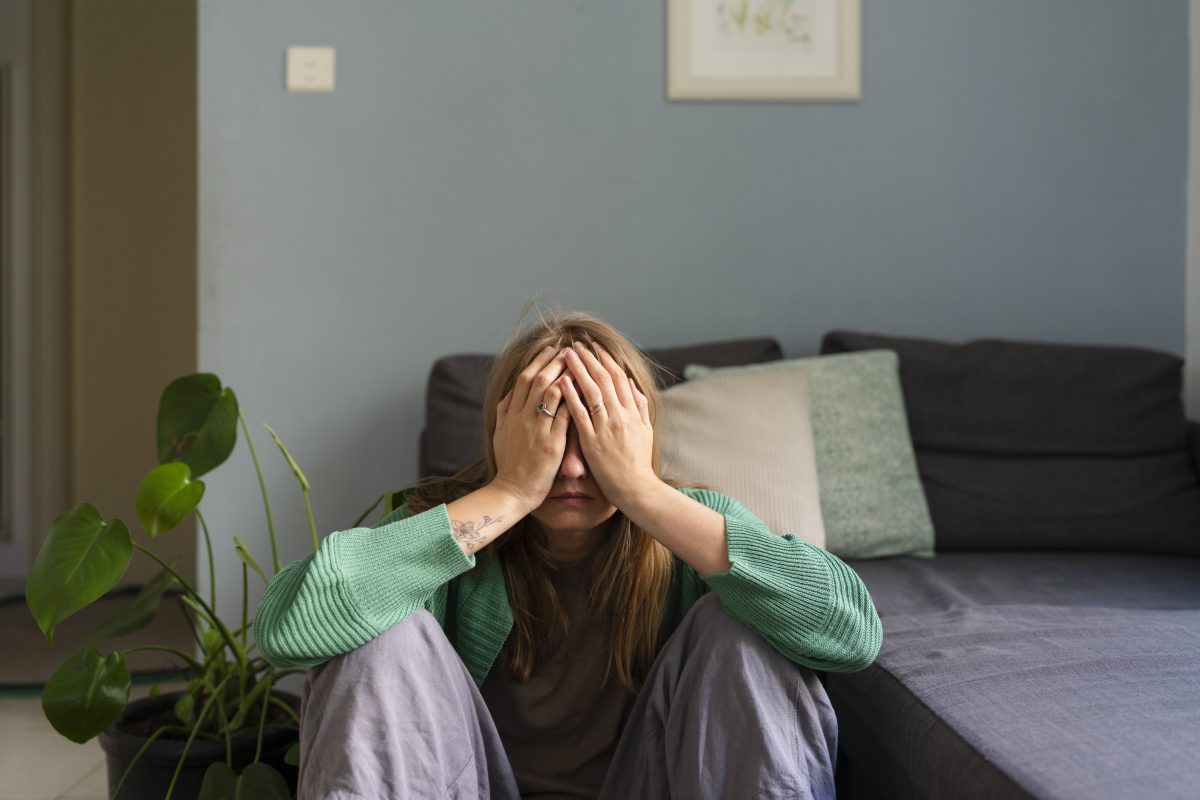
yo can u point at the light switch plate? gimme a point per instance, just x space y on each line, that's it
310 69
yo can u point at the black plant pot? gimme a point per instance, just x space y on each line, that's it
150 777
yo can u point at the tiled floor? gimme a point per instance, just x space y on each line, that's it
38 763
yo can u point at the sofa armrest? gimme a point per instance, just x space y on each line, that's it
1193 429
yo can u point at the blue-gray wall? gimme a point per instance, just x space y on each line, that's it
1013 169
1192 367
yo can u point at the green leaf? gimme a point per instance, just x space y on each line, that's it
154 690
293 755
166 496
258 781
291 461
243 553
140 610
197 422
213 642
82 558
86 694
185 708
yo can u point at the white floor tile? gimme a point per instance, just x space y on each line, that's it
93 786
39 763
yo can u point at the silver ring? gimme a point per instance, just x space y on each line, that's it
542 407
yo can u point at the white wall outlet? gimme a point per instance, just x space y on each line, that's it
310 69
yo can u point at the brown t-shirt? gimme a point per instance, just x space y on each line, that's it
560 728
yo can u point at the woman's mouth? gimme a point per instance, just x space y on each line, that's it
572 500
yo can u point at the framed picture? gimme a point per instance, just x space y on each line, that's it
764 50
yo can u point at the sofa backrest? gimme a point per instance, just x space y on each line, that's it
1034 446
453 434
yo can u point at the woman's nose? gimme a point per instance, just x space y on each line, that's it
573 465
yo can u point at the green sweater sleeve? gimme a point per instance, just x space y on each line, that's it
357 584
804 601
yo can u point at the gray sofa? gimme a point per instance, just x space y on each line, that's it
1051 649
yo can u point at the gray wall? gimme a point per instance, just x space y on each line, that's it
1014 169
1192 368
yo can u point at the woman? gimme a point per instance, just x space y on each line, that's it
583 654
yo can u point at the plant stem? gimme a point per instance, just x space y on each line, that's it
228 739
262 720
291 671
200 601
245 591
262 484
312 524
212 575
187 586
244 707
187 618
291 711
363 516
196 665
136 756
199 721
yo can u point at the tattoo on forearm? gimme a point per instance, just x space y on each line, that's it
469 533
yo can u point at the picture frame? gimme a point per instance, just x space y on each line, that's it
788 50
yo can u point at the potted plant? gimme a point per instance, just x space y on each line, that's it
229 732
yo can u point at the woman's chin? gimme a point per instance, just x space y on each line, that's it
576 516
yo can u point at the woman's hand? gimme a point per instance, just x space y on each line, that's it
529 444
618 440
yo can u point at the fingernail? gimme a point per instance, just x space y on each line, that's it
579 345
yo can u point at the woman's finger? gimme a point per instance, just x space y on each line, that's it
592 390
552 397
620 384
543 389
583 421
521 391
643 404
502 408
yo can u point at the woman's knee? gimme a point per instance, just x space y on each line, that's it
720 634
711 619
419 631
413 638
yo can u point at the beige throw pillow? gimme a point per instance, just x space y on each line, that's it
749 435
872 500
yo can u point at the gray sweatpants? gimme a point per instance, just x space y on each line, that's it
722 715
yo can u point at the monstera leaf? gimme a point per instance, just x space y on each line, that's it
166 496
82 558
197 422
86 694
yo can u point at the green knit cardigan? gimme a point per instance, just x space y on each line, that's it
802 600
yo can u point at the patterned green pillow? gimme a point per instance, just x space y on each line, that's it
872 502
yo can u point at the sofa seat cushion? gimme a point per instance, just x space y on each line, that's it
1010 674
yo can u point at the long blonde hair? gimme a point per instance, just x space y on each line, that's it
631 571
